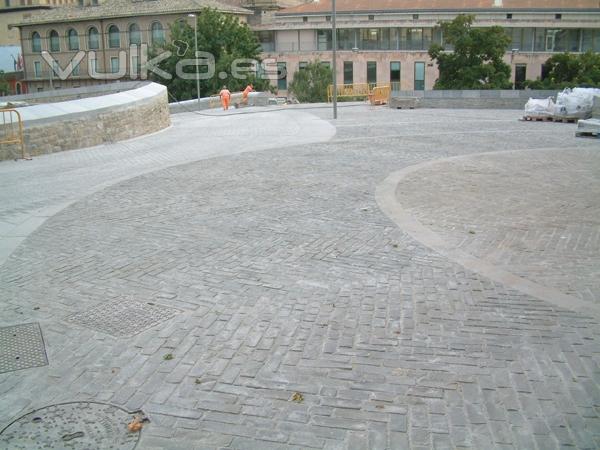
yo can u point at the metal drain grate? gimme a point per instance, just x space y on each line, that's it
123 317
22 347
78 425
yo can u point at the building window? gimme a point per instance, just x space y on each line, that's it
305 19
135 37
415 17
302 65
558 16
509 16
323 39
114 64
75 71
520 76
37 69
135 67
371 17
281 76
348 72
114 37
54 41
327 18
73 39
158 34
93 66
36 42
267 40
395 75
93 39
419 76
371 71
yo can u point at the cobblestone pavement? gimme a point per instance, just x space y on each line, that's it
273 273
535 214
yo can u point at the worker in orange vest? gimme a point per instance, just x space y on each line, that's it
225 97
245 93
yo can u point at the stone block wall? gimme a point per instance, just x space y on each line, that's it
93 127
468 99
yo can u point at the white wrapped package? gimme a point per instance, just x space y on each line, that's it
539 107
577 102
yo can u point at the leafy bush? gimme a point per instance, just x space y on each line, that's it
310 83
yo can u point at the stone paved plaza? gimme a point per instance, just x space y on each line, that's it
395 279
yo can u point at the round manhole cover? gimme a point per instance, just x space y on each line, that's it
78 425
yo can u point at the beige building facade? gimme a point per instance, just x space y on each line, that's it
78 46
387 41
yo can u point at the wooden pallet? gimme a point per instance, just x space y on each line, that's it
588 134
550 119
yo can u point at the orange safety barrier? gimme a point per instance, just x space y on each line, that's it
380 95
11 130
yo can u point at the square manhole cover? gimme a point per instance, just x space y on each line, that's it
22 347
123 317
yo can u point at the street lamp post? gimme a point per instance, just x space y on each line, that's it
334 44
196 55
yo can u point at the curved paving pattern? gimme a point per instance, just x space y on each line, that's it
289 278
535 214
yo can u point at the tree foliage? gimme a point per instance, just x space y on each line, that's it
4 86
569 70
310 83
222 35
476 62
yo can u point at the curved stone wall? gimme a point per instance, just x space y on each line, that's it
55 127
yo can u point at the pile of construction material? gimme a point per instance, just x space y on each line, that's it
590 127
571 105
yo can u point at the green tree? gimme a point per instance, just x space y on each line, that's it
310 83
569 70
4 86
476 62
222 35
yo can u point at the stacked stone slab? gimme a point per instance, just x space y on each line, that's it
590 126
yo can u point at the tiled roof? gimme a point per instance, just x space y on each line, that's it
323 6
108 9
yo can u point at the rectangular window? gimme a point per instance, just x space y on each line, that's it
395 75
266 40
281 76
75 71
302 65
371 71
135 66
587 40
520 76
369 38
415 38
419 76
114 64
346 39
37 69
324 39
597 40
348 72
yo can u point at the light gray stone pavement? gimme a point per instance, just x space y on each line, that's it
32 191
287 277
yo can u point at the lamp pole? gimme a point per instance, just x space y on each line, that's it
334 44
196 55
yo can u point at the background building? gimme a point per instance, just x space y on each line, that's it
387 40
108 28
